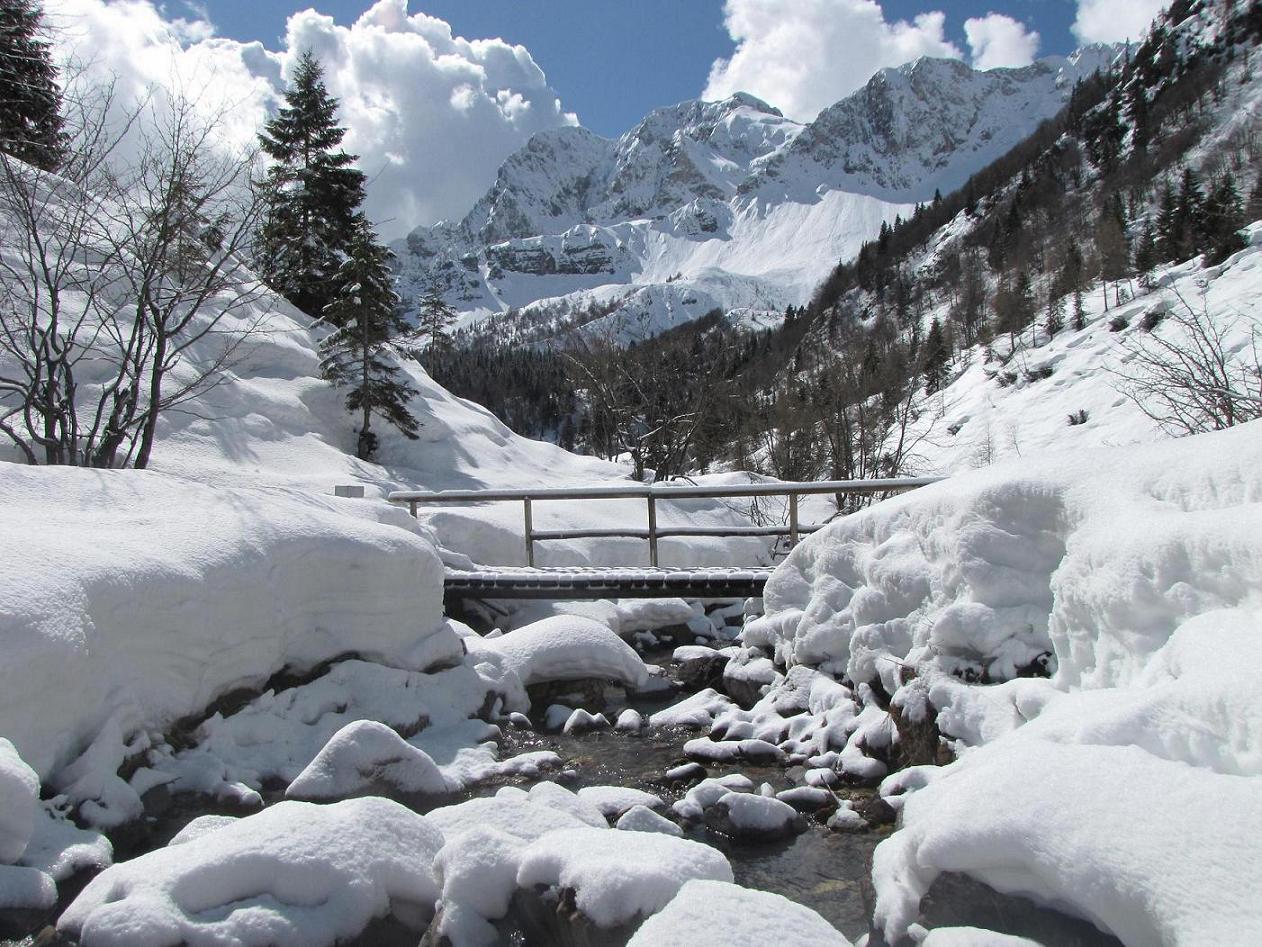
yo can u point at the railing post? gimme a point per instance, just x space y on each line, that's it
793 520
652 530
412 508
530 531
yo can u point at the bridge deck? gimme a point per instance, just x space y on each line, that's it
622 582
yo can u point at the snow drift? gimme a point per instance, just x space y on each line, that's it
1123 788
138 599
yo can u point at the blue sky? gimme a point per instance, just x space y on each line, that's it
612 61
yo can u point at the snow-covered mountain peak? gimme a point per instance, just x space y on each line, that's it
924 126
728 203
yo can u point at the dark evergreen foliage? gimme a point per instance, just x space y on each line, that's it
312 194
434 319
935 358
357 355
31 125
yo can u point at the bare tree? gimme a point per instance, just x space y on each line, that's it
650 403
867 405
1192 374
123 288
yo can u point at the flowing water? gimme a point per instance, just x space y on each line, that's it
825 870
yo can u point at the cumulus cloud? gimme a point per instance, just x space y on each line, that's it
804 55
432 115
996 40
1114 21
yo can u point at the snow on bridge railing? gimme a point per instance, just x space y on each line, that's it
651 493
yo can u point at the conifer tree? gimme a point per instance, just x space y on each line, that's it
1170 229
1112 251
312 194
434 319
1220 222
1080 311
30 98
1055 312
365 309
935 358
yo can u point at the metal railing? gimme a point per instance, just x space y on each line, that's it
652 493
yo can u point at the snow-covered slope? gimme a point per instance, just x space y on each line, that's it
922 127
1125 789
722 204
1074 390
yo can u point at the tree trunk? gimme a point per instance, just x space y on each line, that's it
149 429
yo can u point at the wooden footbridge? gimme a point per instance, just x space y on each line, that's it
653 580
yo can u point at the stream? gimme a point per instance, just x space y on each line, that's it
826 870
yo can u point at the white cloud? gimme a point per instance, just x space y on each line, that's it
996 40
432 115
804 55
1113 21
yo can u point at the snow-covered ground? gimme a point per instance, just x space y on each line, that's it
1020 405
1124 789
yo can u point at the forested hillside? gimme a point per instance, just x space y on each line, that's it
1153 162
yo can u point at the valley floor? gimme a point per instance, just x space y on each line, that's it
1024 693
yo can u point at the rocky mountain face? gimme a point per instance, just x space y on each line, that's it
722 204
923 127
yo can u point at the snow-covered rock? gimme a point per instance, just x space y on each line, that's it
196 591
695 711
365 754
202 825
19 801
618 876
720 914
708 792
643 819
1121 788
613 801
629 721
581 720
555 796
753 816
477 866
279 735
569 648
296 873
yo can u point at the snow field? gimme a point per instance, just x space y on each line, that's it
1005 408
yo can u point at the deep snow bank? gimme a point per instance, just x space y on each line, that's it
1124 789
1096 557
130 599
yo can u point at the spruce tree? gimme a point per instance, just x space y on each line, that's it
365 309
1055 313
30 98
1220 222
1112 251
1170 228
935 358
1080 312
311 192
434 319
